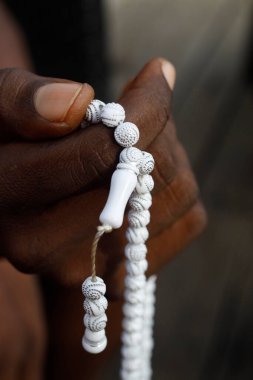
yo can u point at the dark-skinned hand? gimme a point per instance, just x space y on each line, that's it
55 177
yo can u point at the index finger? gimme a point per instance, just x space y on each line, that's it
57 169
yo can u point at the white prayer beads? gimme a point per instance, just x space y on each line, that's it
131 182
126 134
95 305
112 115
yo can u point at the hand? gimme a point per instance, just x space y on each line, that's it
22 330
53 190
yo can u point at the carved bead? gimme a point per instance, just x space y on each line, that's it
93 113
126 134
95 307
138 219
140 202
137 235
147 163
93 289
95 323
145 183
135 252
135 283
113 114
131 154
135 268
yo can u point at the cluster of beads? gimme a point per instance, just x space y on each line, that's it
95 305
131 182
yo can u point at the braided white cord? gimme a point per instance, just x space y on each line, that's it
148 341
137 336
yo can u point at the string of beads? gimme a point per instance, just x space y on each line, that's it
131 182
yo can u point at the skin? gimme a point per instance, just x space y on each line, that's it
54 183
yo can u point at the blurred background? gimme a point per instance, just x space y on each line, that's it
204 323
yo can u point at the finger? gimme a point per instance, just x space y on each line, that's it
49 172
34 107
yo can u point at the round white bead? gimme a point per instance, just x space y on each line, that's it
137 235
95 323
140 202
95 307
131 154
145 183
135 252
126 134
138 219
135 268
93 289
93 112
147 163
136 282
113 114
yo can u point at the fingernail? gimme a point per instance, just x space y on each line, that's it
169 73
54 100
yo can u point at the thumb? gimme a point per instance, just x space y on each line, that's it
34 107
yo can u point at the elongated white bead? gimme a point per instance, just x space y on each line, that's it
130 339
123 183
132 325
134 296
113 114
132 311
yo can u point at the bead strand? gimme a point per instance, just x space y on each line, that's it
134 363
95 304
131 181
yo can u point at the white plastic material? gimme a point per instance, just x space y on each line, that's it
94 347
122 185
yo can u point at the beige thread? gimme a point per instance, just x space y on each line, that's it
100 232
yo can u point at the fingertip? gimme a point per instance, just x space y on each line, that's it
77 109
169 72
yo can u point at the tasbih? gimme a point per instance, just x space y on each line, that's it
131 184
